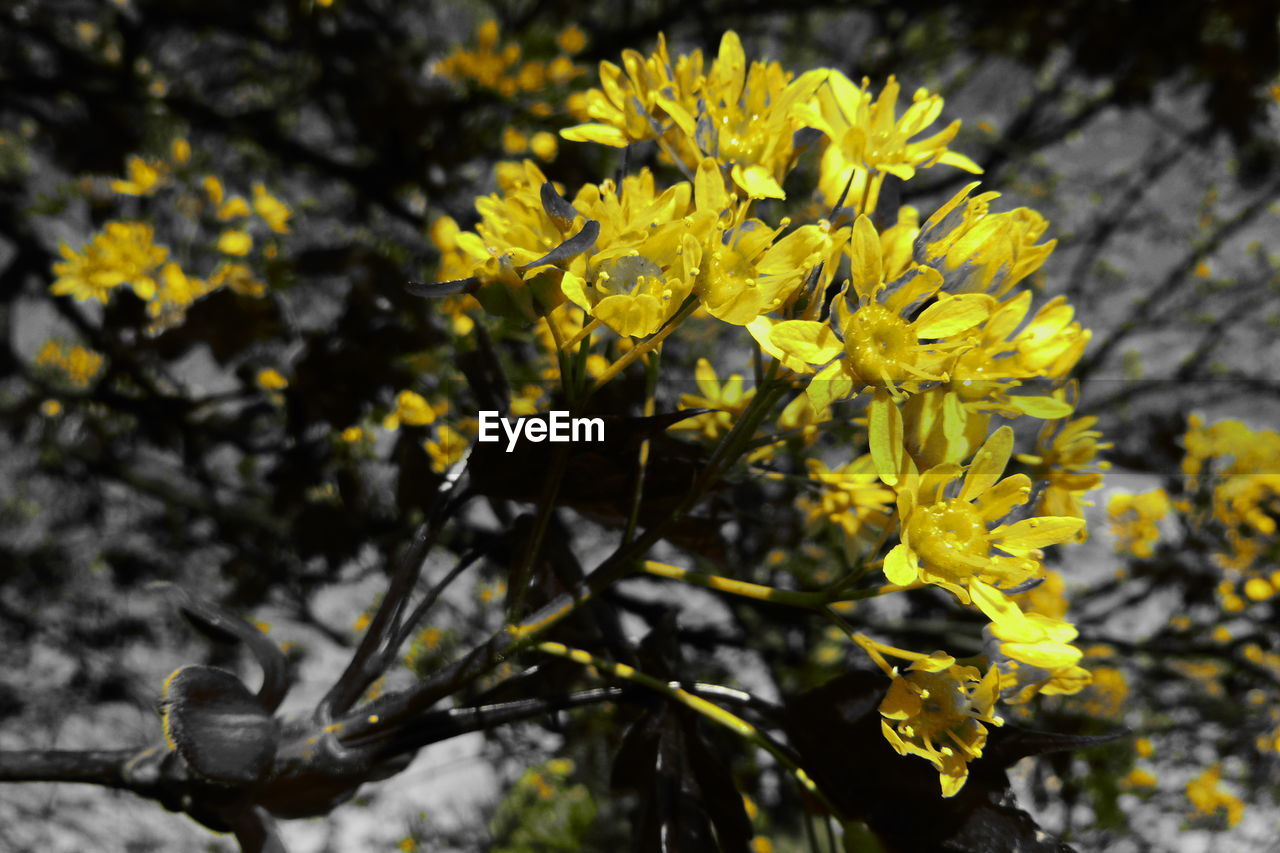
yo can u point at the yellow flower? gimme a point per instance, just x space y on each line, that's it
122 254
352 434
852 498
936 710
233 208
571 39
742 117
180 151
1133 520
880 347
271 379
145 177
446 449
235 242
728 399
513 141
78 364
1139 778
544 145
979 251
868 140
1067 458
50 408
946 540
238 277
412 409
273 211
1207 797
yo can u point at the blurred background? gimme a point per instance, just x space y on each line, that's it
143 443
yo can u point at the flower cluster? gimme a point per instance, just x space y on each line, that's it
126 254
929 323
77 364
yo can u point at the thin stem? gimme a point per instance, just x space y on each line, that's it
759 592
710 710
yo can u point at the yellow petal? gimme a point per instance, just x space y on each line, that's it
602 134
988 464
900 566
952 314
866 267
808 340
885 436
901 702
757 182
1045 408
831 384
708 187
1046 655
1025 536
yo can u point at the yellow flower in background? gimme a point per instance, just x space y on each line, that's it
544 146
446 449
1207 796
271 379
238 278
729 399
1067 458
273 211
571 39
1133 520
123 253
233 208
78 365
233 241
631 104
412 409
144 177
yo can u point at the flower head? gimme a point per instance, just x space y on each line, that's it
939 711
123 253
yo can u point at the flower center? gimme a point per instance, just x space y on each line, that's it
944 703
879 343
950 537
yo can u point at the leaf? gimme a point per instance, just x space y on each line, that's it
441 289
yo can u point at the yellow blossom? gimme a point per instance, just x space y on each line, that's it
271 379
273 211
412 409
123 253
867 139
544 145
235 242
144 177
352 434
947 540
445 449
1207 796
50 408
1133 520
77 364
938 710
571 39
